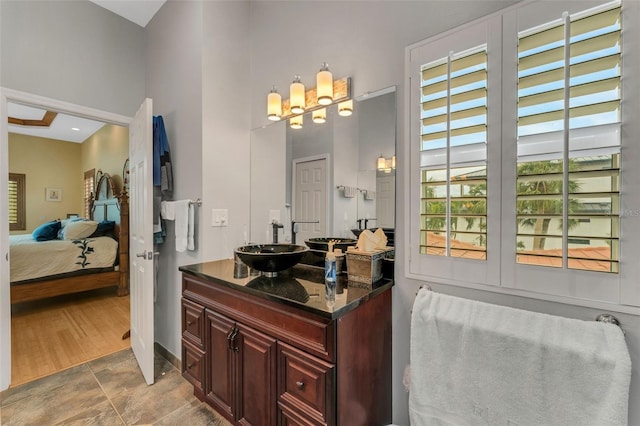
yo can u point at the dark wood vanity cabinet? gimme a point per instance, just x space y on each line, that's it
261 362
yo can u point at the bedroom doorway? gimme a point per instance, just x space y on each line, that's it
6 96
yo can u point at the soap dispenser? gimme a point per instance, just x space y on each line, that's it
330 274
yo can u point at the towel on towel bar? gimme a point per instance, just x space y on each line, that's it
182 212
475 363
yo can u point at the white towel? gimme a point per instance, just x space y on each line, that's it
182 224
168 210
350 191
369 195
474 363
190 241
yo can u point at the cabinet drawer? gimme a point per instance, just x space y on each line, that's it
193 365
192 322
305 385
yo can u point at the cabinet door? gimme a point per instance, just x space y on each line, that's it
220 366
257 377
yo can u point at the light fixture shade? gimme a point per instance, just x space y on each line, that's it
345 108
320 116
324 83
274 105
296 122
382 163
296 96
393 162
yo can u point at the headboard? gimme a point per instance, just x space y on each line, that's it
106 205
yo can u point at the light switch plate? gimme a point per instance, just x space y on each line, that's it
219 217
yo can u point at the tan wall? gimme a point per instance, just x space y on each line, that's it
59 164
106 150
47 163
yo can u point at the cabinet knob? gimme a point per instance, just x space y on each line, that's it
190 366
300 384
189 323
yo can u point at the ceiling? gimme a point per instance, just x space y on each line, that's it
62 127
137 11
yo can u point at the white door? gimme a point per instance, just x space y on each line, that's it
310 202
386 201
141 238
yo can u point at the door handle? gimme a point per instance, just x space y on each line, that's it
148 254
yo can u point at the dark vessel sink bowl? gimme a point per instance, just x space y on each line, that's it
271 258
323 243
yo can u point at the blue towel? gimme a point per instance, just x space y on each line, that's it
162 173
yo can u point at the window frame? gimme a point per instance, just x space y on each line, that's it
501 274
21 202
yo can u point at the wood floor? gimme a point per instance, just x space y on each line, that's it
55 334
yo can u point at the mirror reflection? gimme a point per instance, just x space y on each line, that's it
328 180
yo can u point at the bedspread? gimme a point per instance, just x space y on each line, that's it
31 259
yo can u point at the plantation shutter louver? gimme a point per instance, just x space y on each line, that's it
569 118
17 210
453 155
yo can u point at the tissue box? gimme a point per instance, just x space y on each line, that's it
364 267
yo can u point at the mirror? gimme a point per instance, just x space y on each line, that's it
325 174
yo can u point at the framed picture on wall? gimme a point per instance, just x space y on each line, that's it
53 194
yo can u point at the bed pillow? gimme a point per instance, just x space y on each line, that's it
105 228
46 231
79 229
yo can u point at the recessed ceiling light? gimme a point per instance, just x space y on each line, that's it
75 128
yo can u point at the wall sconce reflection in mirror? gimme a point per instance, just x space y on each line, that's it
386 164
316 99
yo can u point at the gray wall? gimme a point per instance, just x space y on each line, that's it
174 82
73 51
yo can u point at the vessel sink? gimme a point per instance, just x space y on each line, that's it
323 243
271 258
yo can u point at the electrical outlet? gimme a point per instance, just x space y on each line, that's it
219 217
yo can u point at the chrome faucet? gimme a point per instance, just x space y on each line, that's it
293 227
276 226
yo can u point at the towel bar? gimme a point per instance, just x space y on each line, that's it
197 202
606 318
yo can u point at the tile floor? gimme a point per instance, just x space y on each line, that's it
107 391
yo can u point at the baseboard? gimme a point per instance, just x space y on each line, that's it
174 360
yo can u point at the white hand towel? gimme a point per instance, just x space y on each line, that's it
475 363
190 241
168 210
181 224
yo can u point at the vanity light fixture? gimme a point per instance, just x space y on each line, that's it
296 122
274 105
301 101
297 94
345 108
320 115
386 164
324 83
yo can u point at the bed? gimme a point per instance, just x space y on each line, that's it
43 269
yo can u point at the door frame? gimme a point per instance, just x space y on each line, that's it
9 95
329 206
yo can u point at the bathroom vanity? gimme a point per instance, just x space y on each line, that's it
274 351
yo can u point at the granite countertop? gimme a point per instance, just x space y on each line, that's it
301 286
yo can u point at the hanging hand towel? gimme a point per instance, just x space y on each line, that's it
370 195
168 210
182 224
350 191
475 363
190 241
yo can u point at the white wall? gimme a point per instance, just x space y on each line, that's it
366 41
73 51
174 82
226 126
